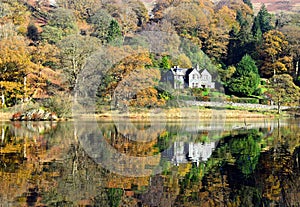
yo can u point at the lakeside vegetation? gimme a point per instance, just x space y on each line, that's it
117 52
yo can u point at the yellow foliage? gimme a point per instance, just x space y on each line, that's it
183 61
15 66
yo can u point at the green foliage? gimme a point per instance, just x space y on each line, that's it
248 2
264 20
246 150
246 79
244 100
241 40
52 34
105 27
114 33
197 56
114 196
64 19
32 32
61 23
283 90
246 66
165 63
226 74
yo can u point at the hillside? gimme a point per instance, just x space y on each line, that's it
276 6
273 6
46 49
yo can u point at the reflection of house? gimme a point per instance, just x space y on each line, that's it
184 152
188 78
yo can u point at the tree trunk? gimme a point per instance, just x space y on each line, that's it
297 68
2 134
2 100
25 89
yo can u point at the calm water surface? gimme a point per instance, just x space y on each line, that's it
237 163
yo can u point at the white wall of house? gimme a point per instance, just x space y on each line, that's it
194 79
178 82
206 80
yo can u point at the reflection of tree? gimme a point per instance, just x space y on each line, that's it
275 168
246 150
138 139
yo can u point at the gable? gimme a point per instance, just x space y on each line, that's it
192 72
205 72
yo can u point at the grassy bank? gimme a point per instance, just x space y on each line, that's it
5 116
182 113
170 114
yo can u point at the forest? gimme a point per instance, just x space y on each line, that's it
123 47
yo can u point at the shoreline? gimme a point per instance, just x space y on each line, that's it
171 114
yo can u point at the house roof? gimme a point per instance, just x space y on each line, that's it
191 70
203 70
179 71
186 71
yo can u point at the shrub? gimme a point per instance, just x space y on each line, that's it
244 100
61 105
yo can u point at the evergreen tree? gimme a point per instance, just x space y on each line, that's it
240 41
264 19
246 79
248 2
100 22
114 31
32 32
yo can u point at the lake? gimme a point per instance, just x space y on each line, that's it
132 163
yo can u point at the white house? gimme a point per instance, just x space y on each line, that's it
181 78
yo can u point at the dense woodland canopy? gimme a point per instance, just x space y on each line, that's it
41 40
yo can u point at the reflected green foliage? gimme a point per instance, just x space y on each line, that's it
114 196
246 150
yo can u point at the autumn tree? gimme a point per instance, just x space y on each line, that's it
131 15
74 52
15 65
16 13
131 83
292 33
216 45
248 2
183 61
274 55
191 20
283 90
104 26
82 8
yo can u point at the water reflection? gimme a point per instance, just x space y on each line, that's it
243 163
